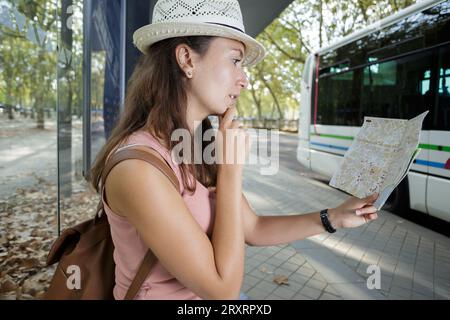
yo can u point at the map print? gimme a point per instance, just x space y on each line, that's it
379 158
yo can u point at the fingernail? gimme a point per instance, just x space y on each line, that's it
358 212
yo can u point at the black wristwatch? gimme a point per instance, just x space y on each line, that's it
326 222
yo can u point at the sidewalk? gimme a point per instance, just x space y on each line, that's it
414 261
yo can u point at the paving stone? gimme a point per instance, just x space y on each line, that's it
275 261
441 293
284 292
393 296
328 296
300 296
423 289
245 287
299 278
297 259
266 286
257 294
308 272
258 274
290 266
319 285
329 289
404 283
311 292
319 277
418 296
251 280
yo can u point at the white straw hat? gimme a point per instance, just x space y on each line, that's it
179 18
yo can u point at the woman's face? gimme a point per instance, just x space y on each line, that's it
218 77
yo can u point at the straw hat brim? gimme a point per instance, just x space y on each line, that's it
152 33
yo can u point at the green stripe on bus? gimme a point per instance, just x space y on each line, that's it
434 147
333 136
423 146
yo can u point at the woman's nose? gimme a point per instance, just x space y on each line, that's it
243 80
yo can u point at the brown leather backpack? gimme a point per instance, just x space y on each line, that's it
89 247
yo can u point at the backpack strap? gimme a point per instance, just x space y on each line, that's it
138 152
144 270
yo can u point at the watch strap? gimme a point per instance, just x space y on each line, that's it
326 222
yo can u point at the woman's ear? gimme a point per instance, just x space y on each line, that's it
184 56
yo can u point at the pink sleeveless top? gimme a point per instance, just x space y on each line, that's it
130 248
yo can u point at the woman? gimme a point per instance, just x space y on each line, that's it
192 68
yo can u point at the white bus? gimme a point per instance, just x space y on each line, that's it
395 68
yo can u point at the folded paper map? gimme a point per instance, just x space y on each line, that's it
379 158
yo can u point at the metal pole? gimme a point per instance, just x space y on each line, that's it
87 12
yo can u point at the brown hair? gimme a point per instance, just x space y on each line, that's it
156 101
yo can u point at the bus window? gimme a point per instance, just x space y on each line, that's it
398 88
442 115
338 103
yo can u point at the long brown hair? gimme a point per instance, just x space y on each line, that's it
156 101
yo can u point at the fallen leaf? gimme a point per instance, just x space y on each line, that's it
8 285
27 231
281 280
264 270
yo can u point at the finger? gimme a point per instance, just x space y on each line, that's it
360 202
366 210
371 216
235 124
371 198
227 117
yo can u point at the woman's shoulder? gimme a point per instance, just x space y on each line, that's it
144 137
147 139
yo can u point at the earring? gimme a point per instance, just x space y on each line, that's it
189 74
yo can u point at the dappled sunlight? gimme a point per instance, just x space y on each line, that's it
15 153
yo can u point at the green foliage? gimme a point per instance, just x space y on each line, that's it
29 58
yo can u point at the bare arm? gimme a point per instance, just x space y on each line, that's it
274 230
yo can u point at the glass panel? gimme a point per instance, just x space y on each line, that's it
338 99
28 144
76 200
106 57
398 88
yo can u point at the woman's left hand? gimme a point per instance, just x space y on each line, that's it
354 212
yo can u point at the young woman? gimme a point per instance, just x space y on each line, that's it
192 67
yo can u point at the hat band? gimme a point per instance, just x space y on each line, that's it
226 25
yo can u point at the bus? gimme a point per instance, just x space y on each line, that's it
396 68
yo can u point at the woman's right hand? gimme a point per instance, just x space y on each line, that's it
229 155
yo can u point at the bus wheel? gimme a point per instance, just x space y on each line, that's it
398 201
